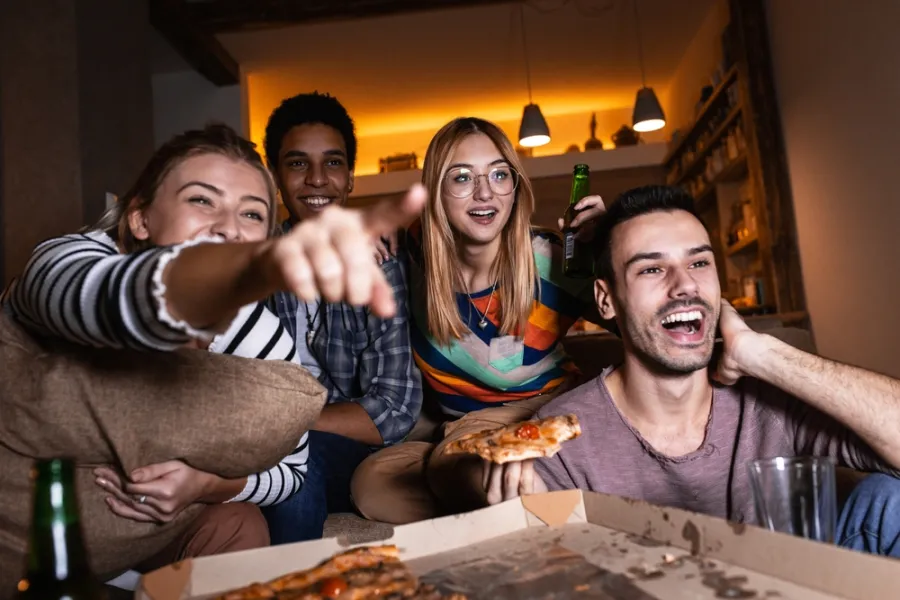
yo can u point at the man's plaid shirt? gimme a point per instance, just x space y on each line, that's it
365 359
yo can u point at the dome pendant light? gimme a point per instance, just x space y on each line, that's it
533 131
648 113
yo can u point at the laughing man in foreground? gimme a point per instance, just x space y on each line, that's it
667 427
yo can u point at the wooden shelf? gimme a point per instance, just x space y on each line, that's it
733 171
699 161
741 246
703 115
736 170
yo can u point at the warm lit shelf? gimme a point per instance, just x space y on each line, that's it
703 115
712 143
733 171
741 246
640 155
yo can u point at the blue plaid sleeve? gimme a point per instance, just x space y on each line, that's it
388 375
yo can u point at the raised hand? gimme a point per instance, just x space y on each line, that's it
331 255
737 337
585 222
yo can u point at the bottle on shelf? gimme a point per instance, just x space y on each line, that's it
578 260
57 565
735 226
749 217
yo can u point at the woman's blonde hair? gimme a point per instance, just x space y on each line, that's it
514 269
215 138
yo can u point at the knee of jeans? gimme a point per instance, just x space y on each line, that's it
877 488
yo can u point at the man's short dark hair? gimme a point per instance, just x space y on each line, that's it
630 204
304 109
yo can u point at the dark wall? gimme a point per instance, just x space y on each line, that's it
76 108
39 150
116 108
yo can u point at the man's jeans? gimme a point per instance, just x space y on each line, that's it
870 520
332 460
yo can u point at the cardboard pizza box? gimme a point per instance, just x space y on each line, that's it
573 544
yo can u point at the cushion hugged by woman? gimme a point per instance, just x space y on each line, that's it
116 314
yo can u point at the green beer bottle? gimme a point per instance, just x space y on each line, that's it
57 566
579 261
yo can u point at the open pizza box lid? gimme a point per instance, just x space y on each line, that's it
634 550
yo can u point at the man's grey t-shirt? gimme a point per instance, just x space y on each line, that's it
748 420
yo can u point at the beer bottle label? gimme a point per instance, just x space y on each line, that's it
570 244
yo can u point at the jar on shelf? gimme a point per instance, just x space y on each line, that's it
740 139
714 164
731 146
733 95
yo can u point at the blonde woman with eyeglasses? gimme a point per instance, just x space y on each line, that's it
490 307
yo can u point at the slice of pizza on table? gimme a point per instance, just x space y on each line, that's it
368 573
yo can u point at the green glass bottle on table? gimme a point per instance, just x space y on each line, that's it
579 260
57 566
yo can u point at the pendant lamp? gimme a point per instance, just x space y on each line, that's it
648 113
533 131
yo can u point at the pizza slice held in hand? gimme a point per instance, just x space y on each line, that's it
519 441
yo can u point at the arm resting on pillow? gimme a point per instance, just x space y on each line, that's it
80 288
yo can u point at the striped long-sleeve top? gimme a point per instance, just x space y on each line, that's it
79 287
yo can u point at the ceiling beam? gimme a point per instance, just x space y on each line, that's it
237 15
198 47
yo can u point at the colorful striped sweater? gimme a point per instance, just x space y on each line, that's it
485 369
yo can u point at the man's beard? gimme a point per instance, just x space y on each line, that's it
663 364
649 344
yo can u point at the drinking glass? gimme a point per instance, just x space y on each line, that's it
795 495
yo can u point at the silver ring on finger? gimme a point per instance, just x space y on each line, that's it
142 499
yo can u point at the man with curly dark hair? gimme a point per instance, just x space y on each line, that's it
365 363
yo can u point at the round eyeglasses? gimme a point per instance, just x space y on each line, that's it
461 182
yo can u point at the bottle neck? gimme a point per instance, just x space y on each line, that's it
56 548
580 187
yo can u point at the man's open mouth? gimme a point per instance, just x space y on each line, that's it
685 325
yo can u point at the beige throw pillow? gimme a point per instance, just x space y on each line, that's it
223 414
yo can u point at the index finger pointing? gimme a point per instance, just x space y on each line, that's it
387 216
